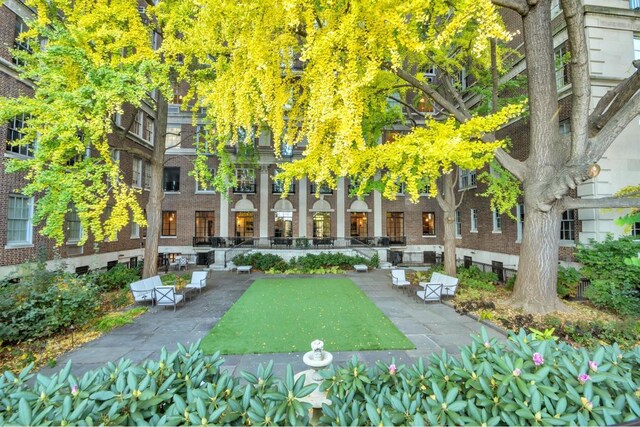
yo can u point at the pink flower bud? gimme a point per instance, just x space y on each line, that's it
538 359
593 366
583 378
516 372
392 369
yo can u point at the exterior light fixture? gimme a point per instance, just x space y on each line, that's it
594 170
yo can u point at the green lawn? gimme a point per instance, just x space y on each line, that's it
283 315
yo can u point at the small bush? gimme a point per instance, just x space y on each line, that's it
260 261
568 279
118 277
473 278
621 297
326 260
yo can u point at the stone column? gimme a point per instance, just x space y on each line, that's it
340 212
377 212
265 209
302 208
224 215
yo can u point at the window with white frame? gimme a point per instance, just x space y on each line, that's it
74 228
147 134
568 226
138 122
137 172
497 222
635 229
173 138
19 227
636 45
245 181
202 140
467 179
22 45
561 57
474 220
520 222
135 229
458 220
117 119
15 134
205 187
146 182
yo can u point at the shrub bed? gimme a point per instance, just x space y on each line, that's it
527 381
322 263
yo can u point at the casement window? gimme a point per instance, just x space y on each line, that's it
520 222
171 179
561 56
15 134
19 217
147 133
137 172
428 223
74 227
635 229
138 122
173 137
204 187
568 226
146 181
458 221
467 179
169 221
474 220
22 45
497 222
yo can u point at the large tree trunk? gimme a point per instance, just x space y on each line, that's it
448 204
156 193
535 287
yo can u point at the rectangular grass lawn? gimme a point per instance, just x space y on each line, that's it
285 315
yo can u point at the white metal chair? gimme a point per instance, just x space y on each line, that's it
167 296
198 280
142 290
399 279
432 292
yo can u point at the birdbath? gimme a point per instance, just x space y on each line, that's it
316 359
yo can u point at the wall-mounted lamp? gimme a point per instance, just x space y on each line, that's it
594 170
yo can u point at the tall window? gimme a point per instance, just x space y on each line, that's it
277 186
23 45
205 187
74 228
15 135
458 221
567 226
395 226
359 224
321 224
497 222
474 220
135 230
245 181
169 223
146 182
138 121
173 137
137 172
636 45
205 224
19 229
428 224
147 133
283 225
171 179
202 140
244 224
520 223
561 57
467 179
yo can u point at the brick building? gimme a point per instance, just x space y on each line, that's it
209 227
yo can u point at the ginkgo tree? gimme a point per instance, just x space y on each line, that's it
324 72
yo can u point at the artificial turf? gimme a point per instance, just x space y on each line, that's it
285 315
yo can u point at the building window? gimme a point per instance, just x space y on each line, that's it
428 224
277 186
146 182
567 226
635 229
497 222
636 44
169 220
147 134
565 127
474 220
19 229
561 56
173 137
135 230
22 45
395 226
458 224
138 121
467 179
283 225
245 181
137 172
520 223
205 187
171 179
15 135
286 150
205 224
74 228
117 119
324 189
358 224
244 224
321 224
202 140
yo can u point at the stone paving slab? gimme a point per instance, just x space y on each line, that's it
431 327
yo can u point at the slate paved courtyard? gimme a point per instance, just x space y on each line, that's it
430 327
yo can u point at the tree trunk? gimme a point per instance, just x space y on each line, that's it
535 288
156 193
448 205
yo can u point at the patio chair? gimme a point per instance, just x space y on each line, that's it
142 291
198 280
167 296
432 292
399 279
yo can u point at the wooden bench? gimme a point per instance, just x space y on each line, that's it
244 269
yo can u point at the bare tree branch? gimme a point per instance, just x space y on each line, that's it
604 202
409 106
610 131
519 6
456 95
580 81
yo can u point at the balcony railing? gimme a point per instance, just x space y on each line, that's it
210 241
245 188
298 242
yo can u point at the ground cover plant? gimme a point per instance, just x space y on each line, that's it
529 380
285 314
